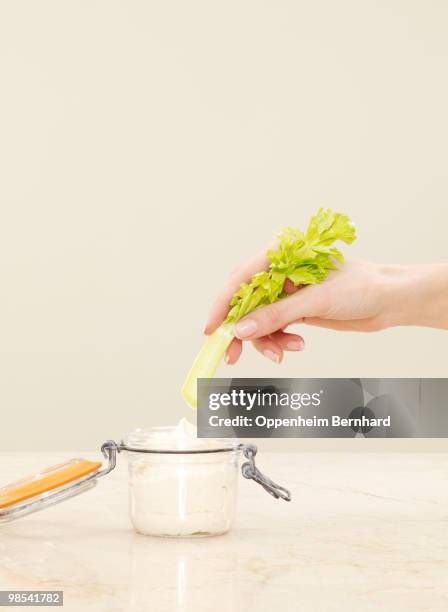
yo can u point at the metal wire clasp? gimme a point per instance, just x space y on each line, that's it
109 450
249 470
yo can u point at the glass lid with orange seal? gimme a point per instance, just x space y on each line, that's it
53 485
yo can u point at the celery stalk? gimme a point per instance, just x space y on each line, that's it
207 361
302 258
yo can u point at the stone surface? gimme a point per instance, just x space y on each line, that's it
363 532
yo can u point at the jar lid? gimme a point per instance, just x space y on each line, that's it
181 438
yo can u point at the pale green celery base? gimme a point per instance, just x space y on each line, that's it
207 361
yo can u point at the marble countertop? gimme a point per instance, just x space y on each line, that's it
363 532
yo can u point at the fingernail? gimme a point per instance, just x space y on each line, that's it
295 345
272 356
245 328
226 358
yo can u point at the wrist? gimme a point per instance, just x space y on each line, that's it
416 295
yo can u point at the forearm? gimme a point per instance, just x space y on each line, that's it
417 295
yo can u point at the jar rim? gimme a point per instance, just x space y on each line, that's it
157 440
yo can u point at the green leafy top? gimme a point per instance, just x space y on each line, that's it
305 259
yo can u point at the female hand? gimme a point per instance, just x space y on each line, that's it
359 296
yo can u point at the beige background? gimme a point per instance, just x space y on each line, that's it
148 147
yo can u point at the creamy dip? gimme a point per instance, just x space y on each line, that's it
181 494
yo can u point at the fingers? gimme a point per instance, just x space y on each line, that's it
243 274
272 347
269 348
264 321
233 352
288 342
289 287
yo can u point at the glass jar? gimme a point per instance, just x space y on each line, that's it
178 487
182 489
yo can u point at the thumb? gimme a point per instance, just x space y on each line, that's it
268 319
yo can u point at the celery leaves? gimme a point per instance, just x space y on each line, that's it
304 259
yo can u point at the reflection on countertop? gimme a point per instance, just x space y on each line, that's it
364 531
